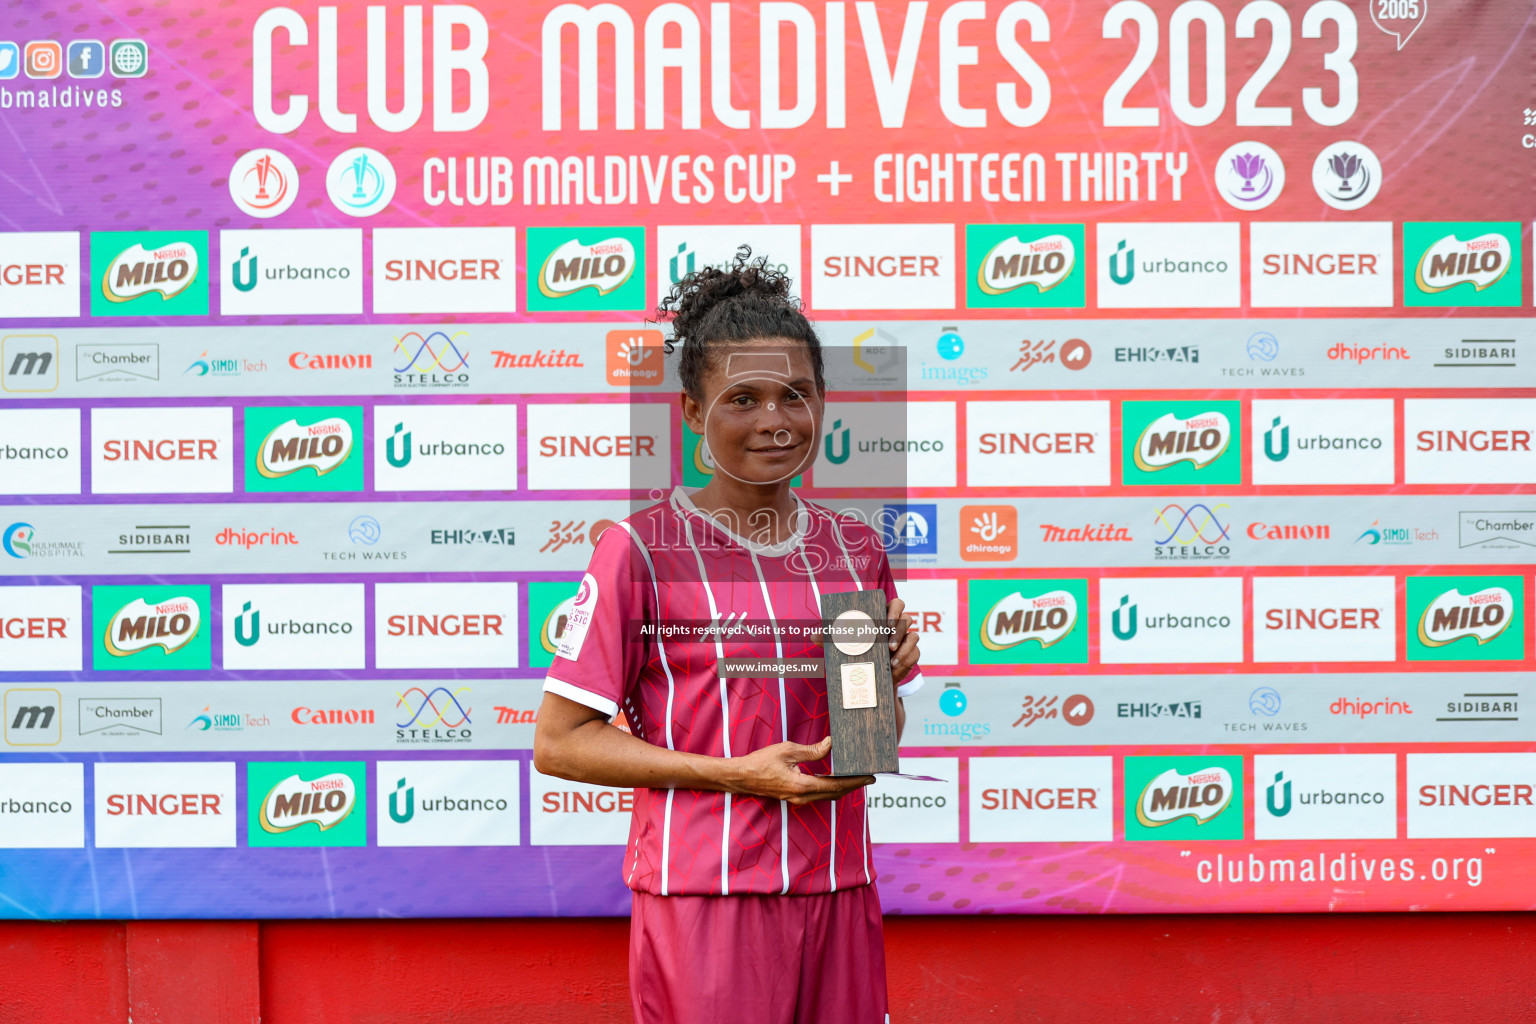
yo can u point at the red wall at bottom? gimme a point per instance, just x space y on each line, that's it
1239 970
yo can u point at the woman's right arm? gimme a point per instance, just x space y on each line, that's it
573 741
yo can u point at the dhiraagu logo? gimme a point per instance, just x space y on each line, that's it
1178 443
138 273
1466 618
1034 622
303 448
306 803
1184 798
1016 266
549 613
590 268
151 629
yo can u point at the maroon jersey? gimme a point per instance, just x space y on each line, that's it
674 564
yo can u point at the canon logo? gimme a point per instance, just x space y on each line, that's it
1290 531
332 716
330 361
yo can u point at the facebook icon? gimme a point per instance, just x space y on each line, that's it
87 59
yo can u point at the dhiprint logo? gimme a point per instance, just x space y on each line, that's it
1482 255
278 626
29 362
1250 175
438 715
292 272
1167 266
34 717
1024 265
263 183
682 250
1180 799
303 449
151 628
1466 617
1185 444
435 360
1193 534
1320 441
598 268
360 181
1035 623
149 274
449 803
445 448
1346 175
306 803
1170 621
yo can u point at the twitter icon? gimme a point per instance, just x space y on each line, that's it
10 60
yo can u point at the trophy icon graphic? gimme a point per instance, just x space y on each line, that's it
360 181
263 172
1345 166
1248 166
263 183
360 171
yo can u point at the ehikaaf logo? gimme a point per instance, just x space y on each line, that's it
1466 618
293 796
1195 444
1183 798
303 449
149 274
1030 623
598 268
151 628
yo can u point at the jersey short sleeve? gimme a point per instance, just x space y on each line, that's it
885 581
601 653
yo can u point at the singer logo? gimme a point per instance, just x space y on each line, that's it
1034 623
634 358
322 794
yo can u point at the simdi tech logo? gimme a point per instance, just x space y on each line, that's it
1461 263
594 268
161 273
1014 266
306 803
1028 622
1184 798
1466 618
151 629
1173 444
313 448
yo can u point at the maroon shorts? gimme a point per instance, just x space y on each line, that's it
758 959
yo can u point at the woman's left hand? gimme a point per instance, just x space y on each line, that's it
904 643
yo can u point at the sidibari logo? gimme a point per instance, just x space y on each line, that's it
168 269
324 802
1011 264
170 625
290 447
1453 616
1200 795
1047 619
1169 440
1481 262
572 266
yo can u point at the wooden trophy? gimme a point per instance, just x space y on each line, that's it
861 702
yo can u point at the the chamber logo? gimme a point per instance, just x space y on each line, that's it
168 269
291 446
1171 795
324 802
1169 440
170 624
1452 616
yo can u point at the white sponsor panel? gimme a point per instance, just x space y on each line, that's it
1325 796
882 266
865 446
934 607
42 806
599 446
1469 440
40 451
162 451
41 629
160 804
565 813
293 626
1322 264
1472 796
1157 621
298 272
1318 441
1324 618
444 270
909 811
1169 266
1037 444
39 274
1041 799
684 249
445 447
449 803
445 625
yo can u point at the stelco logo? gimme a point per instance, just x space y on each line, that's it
325 801
169 625
1201 795
1169 440
1012 264
573 266
1450 261
1453 616
1046 619
321 446
168 269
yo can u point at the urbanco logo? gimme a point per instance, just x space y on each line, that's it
300 272
280 626
448 803
445 447
1170 621
1168 265
682 250
1320 441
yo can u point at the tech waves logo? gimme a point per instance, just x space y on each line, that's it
605 265
1452 616
170 624
1481 262
168 269
1169 440
1011 264
1047 619
324 802
290 446
1171 795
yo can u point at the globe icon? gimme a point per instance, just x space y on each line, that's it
127 60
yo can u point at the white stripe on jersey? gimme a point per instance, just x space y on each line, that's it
666 821
778 650
725 710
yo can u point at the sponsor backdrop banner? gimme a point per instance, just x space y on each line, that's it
324 360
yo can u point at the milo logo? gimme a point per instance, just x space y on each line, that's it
1011 264
290 447
167 269
1481 262
553 630
1454 616
138 626
572 266
1046 619
324 802
1169 796
1169 440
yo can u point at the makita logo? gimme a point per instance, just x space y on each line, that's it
1454 616
574 266
1169 440
1046 619
169 625
290 447
1088 533
1482 261
1170 796
540 359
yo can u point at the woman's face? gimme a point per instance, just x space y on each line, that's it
761 412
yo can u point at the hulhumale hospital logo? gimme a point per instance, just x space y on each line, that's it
360 182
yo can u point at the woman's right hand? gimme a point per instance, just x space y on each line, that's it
774 772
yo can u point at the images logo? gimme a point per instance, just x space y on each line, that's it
308 803
1033 623
360 182
149 274
1484 255
600 268
1182 799
151 628
263 183
1456 618
303 449
1024 265
1182 445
